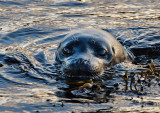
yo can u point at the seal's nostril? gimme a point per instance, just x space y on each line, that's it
81 61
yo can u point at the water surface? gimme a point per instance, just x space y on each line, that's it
30 31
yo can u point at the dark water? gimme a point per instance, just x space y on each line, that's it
30 31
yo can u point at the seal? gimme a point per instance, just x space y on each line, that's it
85 53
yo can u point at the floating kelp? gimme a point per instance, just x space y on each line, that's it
137 81
91 89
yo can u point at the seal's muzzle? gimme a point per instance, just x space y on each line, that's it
81 67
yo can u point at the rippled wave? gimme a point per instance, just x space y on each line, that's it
31 30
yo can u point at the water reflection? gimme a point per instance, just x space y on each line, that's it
31 30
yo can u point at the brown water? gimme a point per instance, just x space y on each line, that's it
30 31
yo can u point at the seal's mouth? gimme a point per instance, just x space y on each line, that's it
83 74
79 77
81 69
67 72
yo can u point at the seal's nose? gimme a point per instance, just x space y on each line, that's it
82 62
80 66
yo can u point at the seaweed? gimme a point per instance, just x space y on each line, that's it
138 81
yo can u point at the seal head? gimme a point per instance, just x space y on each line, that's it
86 52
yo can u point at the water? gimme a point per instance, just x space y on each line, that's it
30 31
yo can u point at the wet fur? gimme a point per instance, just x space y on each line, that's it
85 62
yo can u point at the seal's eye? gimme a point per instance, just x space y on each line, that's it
67 51
102 52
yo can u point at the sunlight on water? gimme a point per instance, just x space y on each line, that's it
30 31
